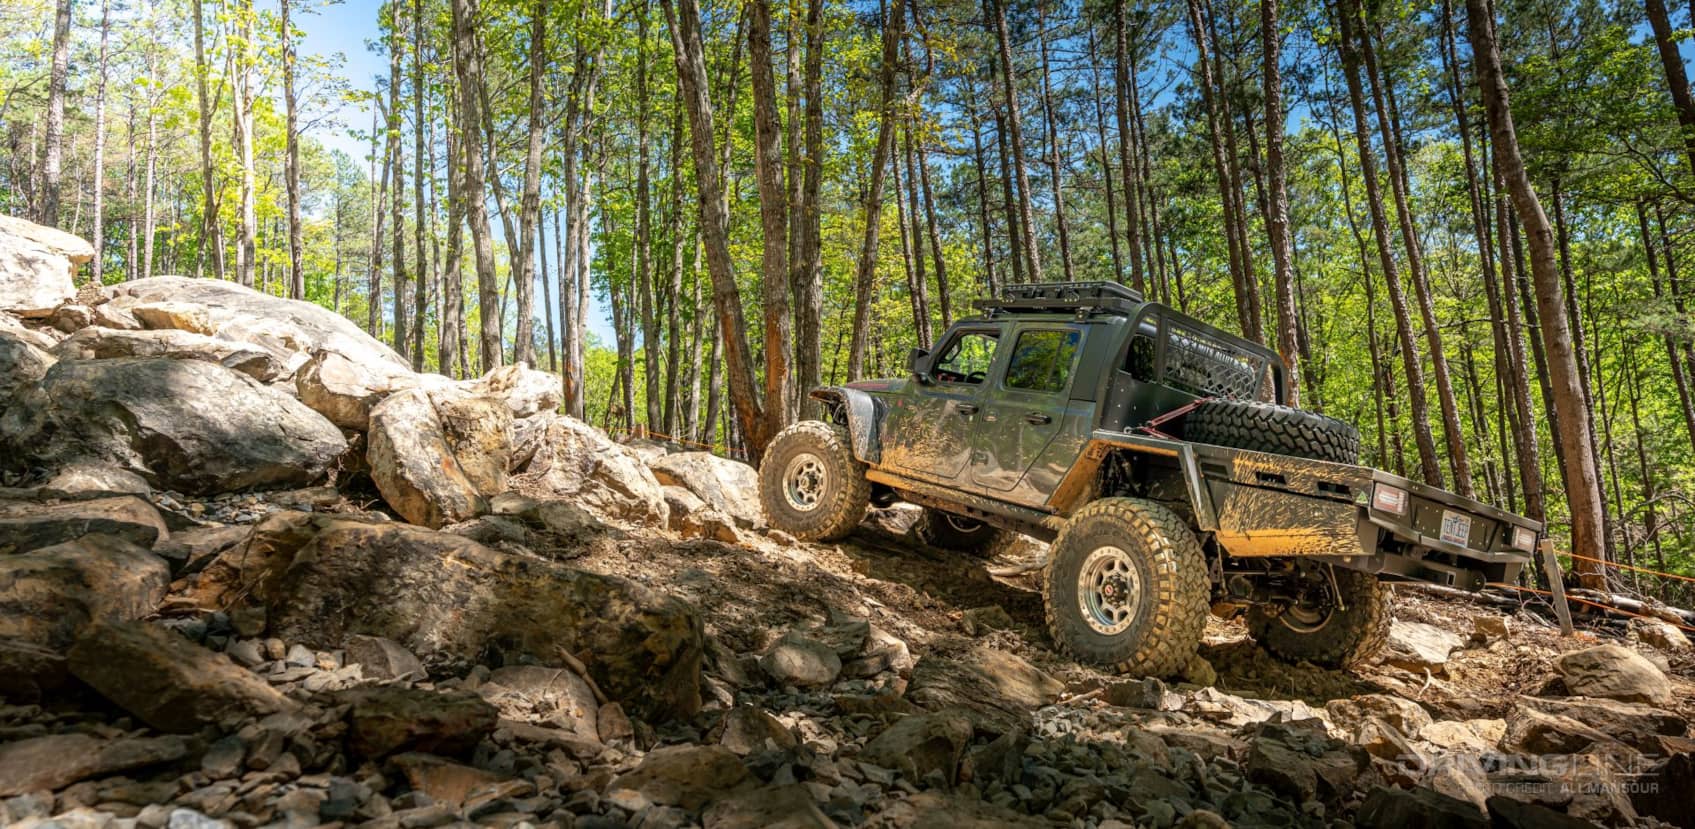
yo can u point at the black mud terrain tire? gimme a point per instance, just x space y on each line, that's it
1269 427
960 534
1126 588
810 484
1330 637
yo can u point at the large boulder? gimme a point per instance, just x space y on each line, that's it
22 362
437 456
920 744
31 525
49 597
731 487
1613 672
1632 723
383 720
183 425
525 390
571 459
36 266
95 343
292 330
345 391
169 682
454 602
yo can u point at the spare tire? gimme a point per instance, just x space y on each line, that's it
1269 427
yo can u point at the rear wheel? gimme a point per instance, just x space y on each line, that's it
956 532
1126 588
1269 427
810 484
1333 628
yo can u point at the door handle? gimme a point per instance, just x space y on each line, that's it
967 409
1037 418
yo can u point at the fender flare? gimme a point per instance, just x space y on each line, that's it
861 413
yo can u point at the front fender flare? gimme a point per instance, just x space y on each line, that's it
861 413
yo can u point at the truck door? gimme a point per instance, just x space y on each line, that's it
1028 406
930 426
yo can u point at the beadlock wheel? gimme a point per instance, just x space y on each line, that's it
803 481
810 484
1108 590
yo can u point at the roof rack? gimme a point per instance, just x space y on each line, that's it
1065 296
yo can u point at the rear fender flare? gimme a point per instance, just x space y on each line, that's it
1077 488
861 413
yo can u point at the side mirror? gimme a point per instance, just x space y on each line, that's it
915 364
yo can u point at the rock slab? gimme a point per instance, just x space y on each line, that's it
167 681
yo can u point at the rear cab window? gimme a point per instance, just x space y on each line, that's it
1043 360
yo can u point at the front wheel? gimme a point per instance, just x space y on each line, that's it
810 484
1337 628
1126 587
956 532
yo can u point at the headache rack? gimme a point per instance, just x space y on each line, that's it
1082 297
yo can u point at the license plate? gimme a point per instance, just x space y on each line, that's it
1456 528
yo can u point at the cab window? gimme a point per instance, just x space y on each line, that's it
967 358
1042 360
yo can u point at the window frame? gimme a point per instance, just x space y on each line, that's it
993 332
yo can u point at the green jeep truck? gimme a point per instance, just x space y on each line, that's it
1155 453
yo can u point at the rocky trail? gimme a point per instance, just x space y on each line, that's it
256 572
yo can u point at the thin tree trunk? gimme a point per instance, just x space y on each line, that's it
52 160
421 308
644 234
1277 199
529 200
1583 486
379 192
1106 163
684 19
241 73
984 215
98 265
470 73
291 161
1451 427
210 235
1121 86
451 357
1680 380
807 263
1677 77
1015 133
865 274
1061 229
773 219
1241 275
1429 466
396 122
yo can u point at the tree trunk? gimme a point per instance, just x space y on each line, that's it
379 191
52 159
1677 77
1106 163
773 220
865 274
684 19
241 74
1583 485
451 354
1015 133
397 219
1680 380
1121 86
1451 428
99 241
807 215
1060 228
1224 167
210 234
468 67
421 308
1348 45
291 161
984 215
644 234
1277 199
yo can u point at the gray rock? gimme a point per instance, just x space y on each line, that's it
387 719
80 480
29 525
799 661
918 745
544 695
106 343
773 807
749 729
224 758
345 391
167 681
577 462
1302 762
998 687
1613 672
383 658
23 362
291 329
1418 808
454 602
1634 724
150 416
36 266
52 594
1417 646
58 760
526 391
437 456
728 486
689 777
